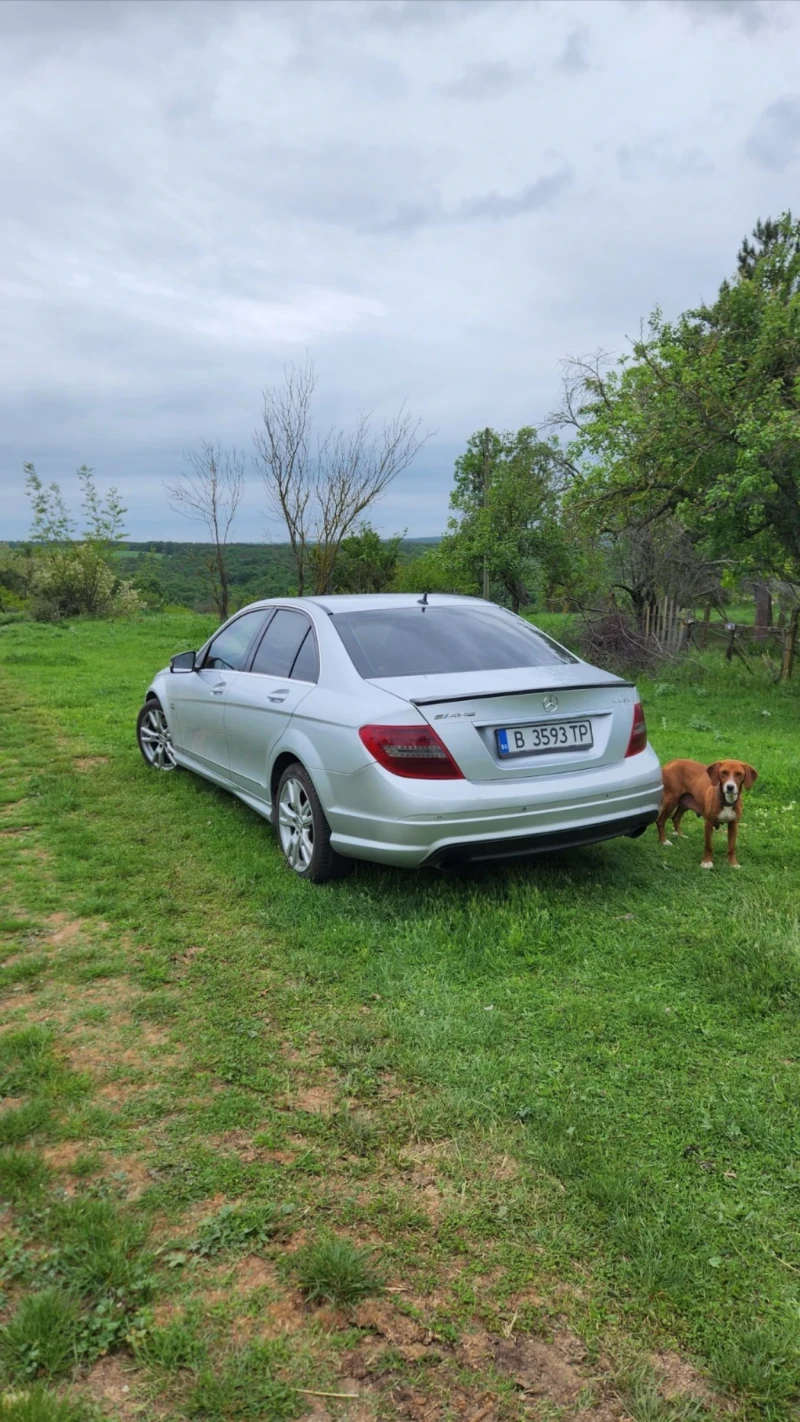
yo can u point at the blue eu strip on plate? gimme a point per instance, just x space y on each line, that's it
502 742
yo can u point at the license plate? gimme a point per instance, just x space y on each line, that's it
549 736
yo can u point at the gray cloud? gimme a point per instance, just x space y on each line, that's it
656 158
751 15
424 14
495 207
485 207
575 54
775 140
489 80
196 191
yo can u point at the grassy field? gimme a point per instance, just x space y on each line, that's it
517 1143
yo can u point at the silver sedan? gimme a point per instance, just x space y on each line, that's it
405 729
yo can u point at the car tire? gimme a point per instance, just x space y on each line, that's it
304 834
153 736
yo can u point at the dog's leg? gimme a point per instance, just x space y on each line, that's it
666 810
708 856
676 821
733 830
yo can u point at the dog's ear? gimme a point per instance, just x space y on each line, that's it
713 771
750 776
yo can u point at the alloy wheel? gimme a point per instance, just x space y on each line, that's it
155 739
296 824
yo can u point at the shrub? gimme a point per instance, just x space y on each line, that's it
614 641
75 580
69 578
14 579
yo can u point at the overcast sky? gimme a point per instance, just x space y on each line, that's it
438 199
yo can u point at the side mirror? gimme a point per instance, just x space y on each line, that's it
184 662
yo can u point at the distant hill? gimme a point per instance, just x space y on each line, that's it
175 572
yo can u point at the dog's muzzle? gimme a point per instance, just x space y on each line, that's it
730 792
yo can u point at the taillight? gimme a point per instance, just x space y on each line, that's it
638 740
413 751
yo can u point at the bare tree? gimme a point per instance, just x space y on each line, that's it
282 444
321 487
210 492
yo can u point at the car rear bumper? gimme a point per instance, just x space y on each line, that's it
375 815
523 846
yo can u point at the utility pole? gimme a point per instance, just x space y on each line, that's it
487 469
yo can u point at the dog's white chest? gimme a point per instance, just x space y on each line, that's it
726 815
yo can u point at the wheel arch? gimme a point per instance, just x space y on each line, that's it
281 763
318 779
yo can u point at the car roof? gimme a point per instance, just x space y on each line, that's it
360 602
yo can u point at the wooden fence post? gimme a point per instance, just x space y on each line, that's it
686 626
704 628
733 646
789 645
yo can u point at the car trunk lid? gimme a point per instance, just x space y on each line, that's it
467 709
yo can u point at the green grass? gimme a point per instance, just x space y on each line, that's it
336 1271
42 1338
245 1386
37 1404
566 1090
23 1175
233 1228
174 1347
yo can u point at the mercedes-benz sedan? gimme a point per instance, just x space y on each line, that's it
405 729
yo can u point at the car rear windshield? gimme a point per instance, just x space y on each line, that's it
424 641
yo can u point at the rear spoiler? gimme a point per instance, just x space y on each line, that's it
521 691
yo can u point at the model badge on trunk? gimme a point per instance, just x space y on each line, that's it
550 703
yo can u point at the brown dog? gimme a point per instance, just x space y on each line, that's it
712 791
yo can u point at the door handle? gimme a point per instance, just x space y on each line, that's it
218 689
278 695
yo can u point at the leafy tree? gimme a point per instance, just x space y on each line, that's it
506 507
768 235
436 569
701 422
366 563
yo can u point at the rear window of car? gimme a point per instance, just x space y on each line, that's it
424 641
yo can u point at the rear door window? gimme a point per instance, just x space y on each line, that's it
281 643
306 663
228 651
426 641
